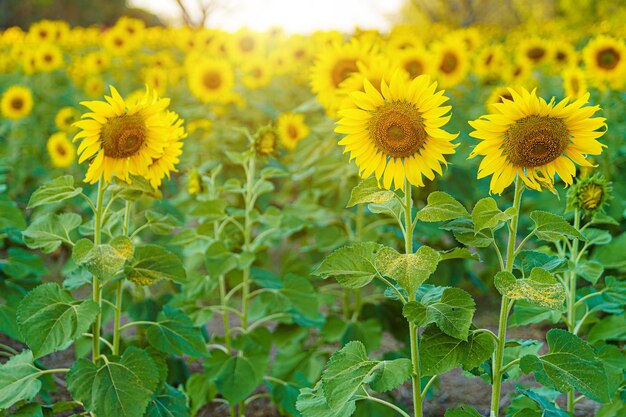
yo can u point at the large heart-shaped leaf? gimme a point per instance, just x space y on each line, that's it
368 191
408 270
54 191
152 263
441 207
18 379
49 231
539 288
174 333
352 266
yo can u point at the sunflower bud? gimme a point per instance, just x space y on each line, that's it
194 182
265 141
589 195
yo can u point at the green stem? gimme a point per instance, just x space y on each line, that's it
505 307
247 238
413 329
8 349
222 284
118 288
571 302
383 402
96 290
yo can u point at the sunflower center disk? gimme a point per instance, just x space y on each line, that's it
212 80
123 136
607 58
536 140
342 69
398 129
449 63
17 103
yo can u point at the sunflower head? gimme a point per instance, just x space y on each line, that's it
62 152
121 139
292 129
266 141
194 182
16 102
533 139
589 195
395 131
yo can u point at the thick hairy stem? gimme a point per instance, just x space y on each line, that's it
96 290
571 302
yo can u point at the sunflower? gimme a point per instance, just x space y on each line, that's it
265 141
62 152
535 51
564 55
256 74
94 86
17 102
574 82
498 95
533 139
489 62
414 61
211 81
120 140
164 164
292 129
117 42
245 45
605 60
65 117
451 61
332 67
397 134
48 58
156 78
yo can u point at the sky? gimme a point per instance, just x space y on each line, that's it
294 16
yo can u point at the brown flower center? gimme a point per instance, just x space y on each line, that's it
292 131
449 63
17 103
212 80
246 44
123 136
536 53
342 69
414 68
536 140
61 150
397 129
607 58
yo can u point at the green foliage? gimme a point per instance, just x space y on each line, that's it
18 379
441 207
103 261
368 191
409 270
121 386
487 215
54 191
48 232
539 288
151 263
451 310
353 266
570 364
237 378
553 228
175 334
49 318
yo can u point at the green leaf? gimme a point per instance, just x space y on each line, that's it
368 191
54 191
210 210
539 288
133 191
609 328
121 386
237 379
161 224
391 208
440 353
526 260
49 231
302 297
451 311
549 407
458 253
175 334
597 236
152 263
352 266
441 207
18 379
487 215
525 313
462 411
388 375
312 403
22 264
201 391
368 332
408 270
170 402
571 364
11 216
463 230
590 270
553 228
103 261
49 318
612 254
347 370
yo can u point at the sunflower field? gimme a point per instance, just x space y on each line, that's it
424 221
